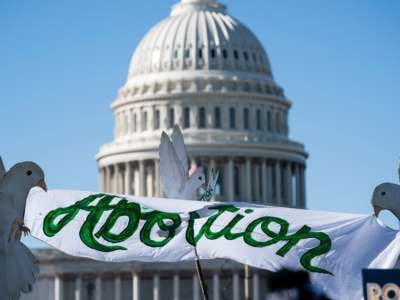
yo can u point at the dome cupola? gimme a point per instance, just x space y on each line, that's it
199 35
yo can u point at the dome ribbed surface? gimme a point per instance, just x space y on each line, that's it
199 35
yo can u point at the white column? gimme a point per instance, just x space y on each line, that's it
209 114
248 180
157 184
130 121
151 118
156 287
115 179
256 179
176 287
298 186
193 163
242 182
278 187
136 179
121 180
142 180
135 286
270 170
106 180
273 122
164 114
236 286
289 184
179 115
256 286
78 288
101 178
117 285
230 180
196 288
149 181
97 288
216 288
193 116
212 167
139 118
264 182
303 186
128 178
58 288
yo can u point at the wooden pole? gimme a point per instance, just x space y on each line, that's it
203 285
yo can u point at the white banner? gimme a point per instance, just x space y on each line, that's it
333 247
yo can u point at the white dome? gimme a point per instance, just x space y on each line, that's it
200 35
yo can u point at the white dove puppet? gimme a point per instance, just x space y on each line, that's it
18 265
387 196
174 171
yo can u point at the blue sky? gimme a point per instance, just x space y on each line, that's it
61 63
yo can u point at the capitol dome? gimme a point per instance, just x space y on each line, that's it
200 35
202 69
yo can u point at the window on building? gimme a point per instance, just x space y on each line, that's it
232 118
258 119
246 124
217 117
269 121
246 56
236 54
225 53
144 123
202 117
157 120
171 118
186 117
246 87
213 53
176 54
254 57
200 53
187 53
90 287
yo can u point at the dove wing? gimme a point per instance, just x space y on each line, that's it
180 148
213 180
19 266
2 169
171 170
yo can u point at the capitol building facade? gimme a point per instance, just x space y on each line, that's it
202 69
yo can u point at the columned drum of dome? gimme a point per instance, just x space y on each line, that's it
204 70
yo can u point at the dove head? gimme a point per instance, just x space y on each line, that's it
197 179
27 175
387 196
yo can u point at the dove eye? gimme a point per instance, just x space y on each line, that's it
29 173
200 178
383 193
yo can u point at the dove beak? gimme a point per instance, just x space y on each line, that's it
42 184
377 210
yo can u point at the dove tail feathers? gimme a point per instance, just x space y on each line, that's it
21 269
